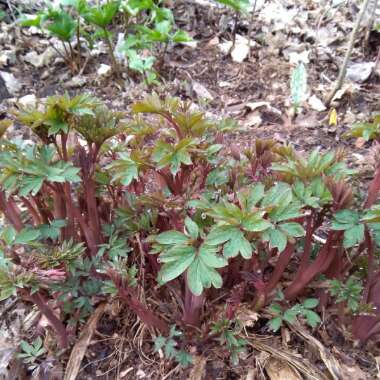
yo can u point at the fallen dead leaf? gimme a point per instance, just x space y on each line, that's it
251 374
360 142
201 91
12 84
241 49
302 365
104 70
360 72
77 81
327 357
316 104
253 119
7 350
40 60
29 100
198 370
280 370
79 350
254 105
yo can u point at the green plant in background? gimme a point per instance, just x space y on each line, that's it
64 23
368 131
169 346
298 86
149 27
239 7
102 16
153 33
31 353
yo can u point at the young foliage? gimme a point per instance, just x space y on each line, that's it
348 292
169 346
290 315
31 353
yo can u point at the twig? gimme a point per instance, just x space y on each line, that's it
251 27
234 32
371 23
343 70
10 6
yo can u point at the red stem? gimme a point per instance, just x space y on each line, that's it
57 325
320 265
92 208
193 306
133 302
11 211
37 220
281 265
371 259
373 190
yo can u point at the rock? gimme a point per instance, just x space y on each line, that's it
7 57
40 60
202 91
241 49
104 70
360 72
4 94
13 85
28 100
316 104
77 81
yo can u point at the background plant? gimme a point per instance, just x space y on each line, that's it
148 26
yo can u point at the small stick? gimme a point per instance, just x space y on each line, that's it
343 70
251 27
371 23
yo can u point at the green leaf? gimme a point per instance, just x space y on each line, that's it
312 318
26 235
175 253
256 223
62 26
159 343
236 5
292 229
310 303
102 15
172 270
172 237
183 358
290 315
237 243
275 308
7 292
345 219
277 239
220 234
256 194
8 234
202 274
278 195
208 255
194 278
275 323
353 236
192 228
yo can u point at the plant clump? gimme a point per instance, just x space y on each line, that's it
91 214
